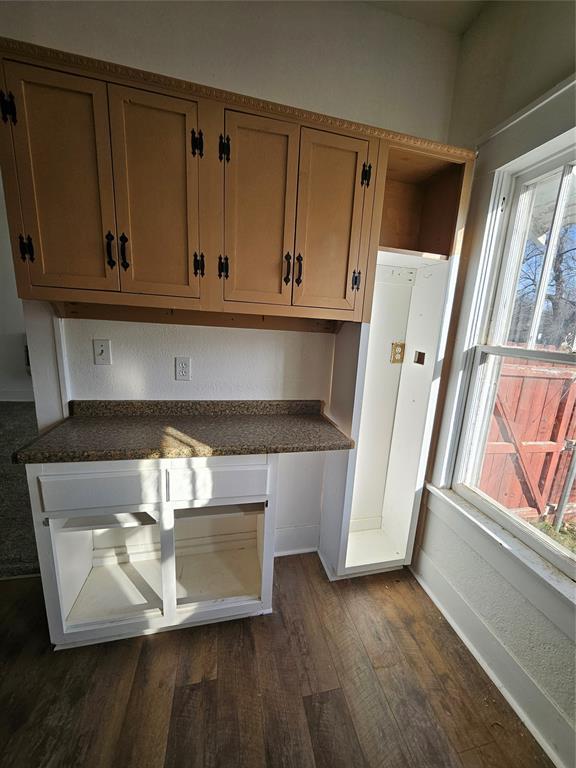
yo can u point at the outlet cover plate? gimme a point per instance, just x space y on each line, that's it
182 368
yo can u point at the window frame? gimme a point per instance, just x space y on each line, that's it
496 282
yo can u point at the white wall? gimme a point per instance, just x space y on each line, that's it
513 53
15 382
344 59
509 606
226 363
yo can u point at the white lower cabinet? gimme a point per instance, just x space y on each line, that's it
135 547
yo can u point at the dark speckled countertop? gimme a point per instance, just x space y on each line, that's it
99 430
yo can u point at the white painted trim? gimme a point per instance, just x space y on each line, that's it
548 725
296 539
62 363
549 590
543 355
550 551
564 85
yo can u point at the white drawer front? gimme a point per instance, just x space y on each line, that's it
214 483
62 492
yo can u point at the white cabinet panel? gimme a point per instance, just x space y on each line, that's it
212 483
85 491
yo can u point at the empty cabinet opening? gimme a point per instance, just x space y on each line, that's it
393 434
108 566
218 553
421 200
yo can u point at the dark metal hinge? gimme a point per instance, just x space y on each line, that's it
8 107
26 247
197 143
366 174
224 148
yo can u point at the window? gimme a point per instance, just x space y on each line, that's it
517 456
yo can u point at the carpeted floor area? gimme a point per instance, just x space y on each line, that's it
17 546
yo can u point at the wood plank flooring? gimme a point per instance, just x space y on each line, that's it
361 673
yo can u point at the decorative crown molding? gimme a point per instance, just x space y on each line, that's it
31 53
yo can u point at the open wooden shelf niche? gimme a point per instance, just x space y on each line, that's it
421 202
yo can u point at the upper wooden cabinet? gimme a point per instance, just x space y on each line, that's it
331 183
261 177
64 163
156 188
131 189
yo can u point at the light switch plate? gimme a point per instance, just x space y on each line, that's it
182 368
102 351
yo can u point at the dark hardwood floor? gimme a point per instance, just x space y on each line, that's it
354 674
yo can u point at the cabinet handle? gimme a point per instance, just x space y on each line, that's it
196 264
202 265
220 267
299 261
358 278
124 263
109 258
226 268
288 260
353 286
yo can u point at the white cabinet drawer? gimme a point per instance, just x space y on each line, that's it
85 491
217 482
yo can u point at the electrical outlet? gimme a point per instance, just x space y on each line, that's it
182 368
102 351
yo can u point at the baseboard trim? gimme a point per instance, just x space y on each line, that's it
296 539
541 716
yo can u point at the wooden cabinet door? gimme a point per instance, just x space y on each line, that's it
156 183
260 208
64 164
328 219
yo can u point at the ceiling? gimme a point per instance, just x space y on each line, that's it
452 15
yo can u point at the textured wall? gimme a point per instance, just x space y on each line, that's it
345 59
225 363
543 651
512 54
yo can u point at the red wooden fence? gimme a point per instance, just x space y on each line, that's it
525 463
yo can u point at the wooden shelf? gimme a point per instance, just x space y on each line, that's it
371 547
421 202
220 575
224 510
119 591
99 522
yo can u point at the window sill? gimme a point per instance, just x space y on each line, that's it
546 587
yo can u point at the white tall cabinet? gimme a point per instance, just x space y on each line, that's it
372 494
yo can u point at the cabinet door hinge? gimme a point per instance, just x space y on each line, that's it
197 143
224 148
8 107
366 174
26 247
